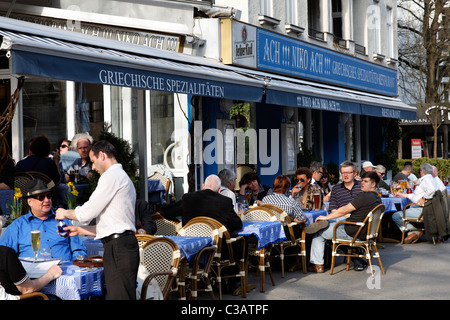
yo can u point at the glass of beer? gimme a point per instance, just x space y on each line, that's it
316 195
35 242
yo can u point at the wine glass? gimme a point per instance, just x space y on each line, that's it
35 242
45 251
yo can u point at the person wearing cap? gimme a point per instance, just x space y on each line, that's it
367 166
112 205
40 217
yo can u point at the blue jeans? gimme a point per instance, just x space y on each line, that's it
318 241
411 212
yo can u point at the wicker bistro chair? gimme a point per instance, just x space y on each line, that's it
405 219
222 261
20 181
161 258
165 227
298 244
143 239
165 181
373 222
198 269
254 215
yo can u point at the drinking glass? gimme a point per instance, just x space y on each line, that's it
45 251
316 195
35 242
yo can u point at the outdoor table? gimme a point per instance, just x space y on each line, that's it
266 233
390 203
156 191
93 247
311 216
5 197
77 283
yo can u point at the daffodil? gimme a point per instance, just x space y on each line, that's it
71 196
15 206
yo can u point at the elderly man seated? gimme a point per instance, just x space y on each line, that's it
83 144
423 192
40 217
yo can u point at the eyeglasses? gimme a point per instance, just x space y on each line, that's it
381 173
64 146
41 197
302 180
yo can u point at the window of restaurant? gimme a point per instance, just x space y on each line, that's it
162 126
89 108
44 110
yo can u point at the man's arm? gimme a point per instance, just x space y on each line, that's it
342 211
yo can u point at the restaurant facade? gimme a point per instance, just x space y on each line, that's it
212 92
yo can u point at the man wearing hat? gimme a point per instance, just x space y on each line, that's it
40 217
366 167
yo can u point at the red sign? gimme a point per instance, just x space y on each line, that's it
416 149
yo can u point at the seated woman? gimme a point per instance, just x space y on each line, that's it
251 189
303 192
278 198
324 183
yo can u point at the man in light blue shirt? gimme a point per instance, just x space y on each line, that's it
41 217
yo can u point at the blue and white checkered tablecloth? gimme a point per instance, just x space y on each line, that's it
77 283
190 246
267 232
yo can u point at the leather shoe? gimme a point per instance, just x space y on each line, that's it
413 237
317 268
316 226
359 264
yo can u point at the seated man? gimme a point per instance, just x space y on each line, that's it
144 222
208 203
40 217
358 209
15 280
423 192
83 144
227 178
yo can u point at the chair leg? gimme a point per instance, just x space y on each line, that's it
282 260
333 253
376 254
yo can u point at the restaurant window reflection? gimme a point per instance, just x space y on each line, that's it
162 126
89 108
44 110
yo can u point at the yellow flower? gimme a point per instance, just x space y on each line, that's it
74 192
17 193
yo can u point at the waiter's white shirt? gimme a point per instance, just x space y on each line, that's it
112 204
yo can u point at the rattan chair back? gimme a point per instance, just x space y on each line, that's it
165 227
161 257
165 181
258 214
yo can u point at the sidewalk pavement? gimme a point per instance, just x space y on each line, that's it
413 271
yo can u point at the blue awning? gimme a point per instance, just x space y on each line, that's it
58 59
59 54
290 93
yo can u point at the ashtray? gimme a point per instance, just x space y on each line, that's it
89 262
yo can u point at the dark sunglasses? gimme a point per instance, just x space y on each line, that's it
64 146
41 197
302 180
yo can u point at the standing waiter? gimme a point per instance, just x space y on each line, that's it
112 205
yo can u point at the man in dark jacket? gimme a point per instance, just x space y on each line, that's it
208 203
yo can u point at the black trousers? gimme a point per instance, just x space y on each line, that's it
121 263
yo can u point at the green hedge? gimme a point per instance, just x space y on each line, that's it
443 165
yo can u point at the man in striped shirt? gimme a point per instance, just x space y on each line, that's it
344 192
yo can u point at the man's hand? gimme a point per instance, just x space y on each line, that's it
55 271
60 214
